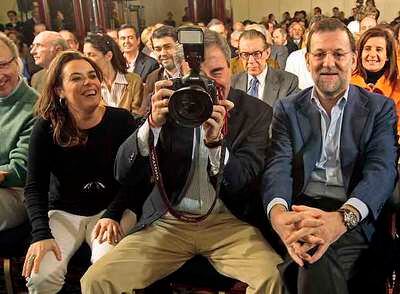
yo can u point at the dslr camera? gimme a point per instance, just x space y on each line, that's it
192 102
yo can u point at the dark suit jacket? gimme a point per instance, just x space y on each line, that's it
278 84
291 46
247 142
368 149
144 65
280 54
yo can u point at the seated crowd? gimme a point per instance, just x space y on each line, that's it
280 185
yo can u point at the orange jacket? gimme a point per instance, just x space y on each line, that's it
383 87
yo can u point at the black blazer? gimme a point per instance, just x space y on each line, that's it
368 149
144 65
247 143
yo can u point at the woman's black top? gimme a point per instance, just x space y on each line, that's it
78 180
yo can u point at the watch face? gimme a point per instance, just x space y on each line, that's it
350 219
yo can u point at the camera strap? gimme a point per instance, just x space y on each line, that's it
155 167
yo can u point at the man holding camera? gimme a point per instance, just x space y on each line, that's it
164 238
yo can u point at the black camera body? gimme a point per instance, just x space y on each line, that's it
194 96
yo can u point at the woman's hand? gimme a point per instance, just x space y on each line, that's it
35 254
107 229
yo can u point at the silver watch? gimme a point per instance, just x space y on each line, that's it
350 218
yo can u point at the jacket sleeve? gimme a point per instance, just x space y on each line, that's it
379 171
277 180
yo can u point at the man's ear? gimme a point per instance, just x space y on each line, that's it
268 52
307 57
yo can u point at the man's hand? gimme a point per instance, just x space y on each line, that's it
159 103
286 223
3 175
107 229
213 126
331 230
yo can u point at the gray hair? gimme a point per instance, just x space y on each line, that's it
14 51
55 39
258 27
212 39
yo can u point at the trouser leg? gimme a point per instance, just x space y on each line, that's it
239 250
12 209
140 259
68 231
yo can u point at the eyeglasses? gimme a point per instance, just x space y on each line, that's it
6 64
337 55
256 54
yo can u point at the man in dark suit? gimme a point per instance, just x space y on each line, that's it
259 80
332 168
137 62
163 240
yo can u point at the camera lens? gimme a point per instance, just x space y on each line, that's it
190 106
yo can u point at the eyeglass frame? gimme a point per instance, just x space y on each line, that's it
6 64
252 54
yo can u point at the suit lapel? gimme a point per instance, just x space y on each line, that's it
271 88
309 120
242 82
354 118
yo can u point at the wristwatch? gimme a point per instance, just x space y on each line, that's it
350 218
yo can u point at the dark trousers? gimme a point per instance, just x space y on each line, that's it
344 268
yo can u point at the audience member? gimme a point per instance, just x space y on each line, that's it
296 33
38 28
44 48
279 37
238 26
29 24
329 173
259 80
234 43
71 39
145 39
162 242
113 34
218 26
296 64
14 23
170 20
118 87
71 194
171 60
377 69
366 23
16 120
137 61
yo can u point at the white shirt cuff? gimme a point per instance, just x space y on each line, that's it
143 138
275 201
214 154
361 207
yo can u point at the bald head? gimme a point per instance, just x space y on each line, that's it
45 47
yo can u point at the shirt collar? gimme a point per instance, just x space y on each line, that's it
341 102
260 77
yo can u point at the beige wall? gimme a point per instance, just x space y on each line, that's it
156 10
256 9
6 5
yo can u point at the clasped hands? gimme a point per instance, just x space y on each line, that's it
159 111
307 232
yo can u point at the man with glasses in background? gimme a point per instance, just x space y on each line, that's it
332 168
259 80
16 120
